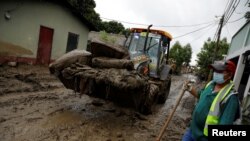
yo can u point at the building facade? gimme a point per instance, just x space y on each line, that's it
47 29
239 52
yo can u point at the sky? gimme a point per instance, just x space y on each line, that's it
165 13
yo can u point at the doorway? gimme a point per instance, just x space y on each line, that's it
44 45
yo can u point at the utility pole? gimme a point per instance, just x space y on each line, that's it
217 47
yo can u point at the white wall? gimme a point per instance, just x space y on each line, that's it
239 72
26 18
240 42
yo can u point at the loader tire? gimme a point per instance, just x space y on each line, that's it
145 110
164 92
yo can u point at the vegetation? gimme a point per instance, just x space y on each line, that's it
86 9
180 55
112 27
108 39
207 55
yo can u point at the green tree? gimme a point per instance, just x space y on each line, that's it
180 55
112 27
187 54
126 31
207 54
86 9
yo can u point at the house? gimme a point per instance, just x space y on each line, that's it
239 52
48 29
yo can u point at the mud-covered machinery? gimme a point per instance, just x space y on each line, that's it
135 75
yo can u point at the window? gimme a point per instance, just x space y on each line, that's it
72 41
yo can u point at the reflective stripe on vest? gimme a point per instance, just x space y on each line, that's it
214 112
208 84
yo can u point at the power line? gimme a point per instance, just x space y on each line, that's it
235 20
187 25
194 31
231 10
125 22
247 2
226 6
204 33
228 31
193 25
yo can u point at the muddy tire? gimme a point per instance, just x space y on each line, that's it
145 109
144 103
164 92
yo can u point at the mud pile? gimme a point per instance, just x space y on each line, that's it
106 73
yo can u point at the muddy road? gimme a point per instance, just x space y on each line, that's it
35 106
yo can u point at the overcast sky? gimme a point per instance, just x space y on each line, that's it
162 13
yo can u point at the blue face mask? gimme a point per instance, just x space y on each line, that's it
218 78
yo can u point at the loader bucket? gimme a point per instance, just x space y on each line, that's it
107 74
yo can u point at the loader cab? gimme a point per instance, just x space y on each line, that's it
149 50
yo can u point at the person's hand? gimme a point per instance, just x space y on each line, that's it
187 86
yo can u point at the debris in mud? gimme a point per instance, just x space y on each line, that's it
97 103
12 64
104 62
119 134
108 73
55 111
29 78
75 56
2 119
120 113
140 116
33 119
111 110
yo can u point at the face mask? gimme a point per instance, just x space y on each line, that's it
218 78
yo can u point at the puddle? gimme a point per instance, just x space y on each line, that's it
64 118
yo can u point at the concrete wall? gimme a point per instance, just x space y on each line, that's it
26 18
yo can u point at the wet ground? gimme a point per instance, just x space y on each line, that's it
35 106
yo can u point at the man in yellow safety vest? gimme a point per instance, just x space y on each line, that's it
218 102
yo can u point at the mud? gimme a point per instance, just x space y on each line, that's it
11 49
35 106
